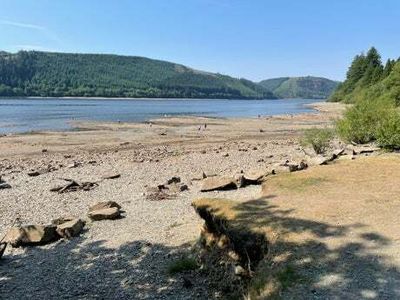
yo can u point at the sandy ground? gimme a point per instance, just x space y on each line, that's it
127 258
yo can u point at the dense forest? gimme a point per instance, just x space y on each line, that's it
33 73
374 88
369 79
300 87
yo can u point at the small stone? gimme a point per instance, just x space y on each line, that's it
174 179
112 176
240 271
4 186
105 214
34 173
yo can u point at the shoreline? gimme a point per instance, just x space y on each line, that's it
144 98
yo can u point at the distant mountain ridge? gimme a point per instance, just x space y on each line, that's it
300 87
48 74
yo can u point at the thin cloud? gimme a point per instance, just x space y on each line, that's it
22 25
45 31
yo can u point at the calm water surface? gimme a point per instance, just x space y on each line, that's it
24 115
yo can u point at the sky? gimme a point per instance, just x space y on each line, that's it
254 39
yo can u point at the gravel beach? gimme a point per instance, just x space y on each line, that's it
128 258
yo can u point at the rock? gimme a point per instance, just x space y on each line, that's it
218 183
105 214
34 173
4 186
3 247
104 205
226 155
61 220
71 228
364 149
256 177
174 179
319 160
240 271
111 176
31 235
73 165
297 167
44 150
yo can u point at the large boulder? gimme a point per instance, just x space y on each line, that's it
70 228
218 183
104 205
31 235
105 214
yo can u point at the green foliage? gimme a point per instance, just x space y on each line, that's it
388 131
182 265
369 121
300 87
318 138
368 79
96 75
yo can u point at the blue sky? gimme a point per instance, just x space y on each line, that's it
254 39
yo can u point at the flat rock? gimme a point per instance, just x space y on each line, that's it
31 235
364 149
105 214
70 228
254 177
112 176
218 183
104 205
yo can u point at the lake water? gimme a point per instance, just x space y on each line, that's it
24 115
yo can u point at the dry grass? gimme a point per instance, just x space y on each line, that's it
335 226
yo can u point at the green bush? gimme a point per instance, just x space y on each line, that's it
369 121
388 131
182 264
318 138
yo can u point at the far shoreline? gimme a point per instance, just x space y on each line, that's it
144 98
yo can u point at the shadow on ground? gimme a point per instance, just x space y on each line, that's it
312 266
78 270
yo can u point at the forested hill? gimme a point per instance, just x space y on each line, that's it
300 87
33 73
369 79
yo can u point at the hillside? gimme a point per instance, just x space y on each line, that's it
36 73
300 87
368 79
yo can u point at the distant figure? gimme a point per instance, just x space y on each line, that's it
199 128
205 126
